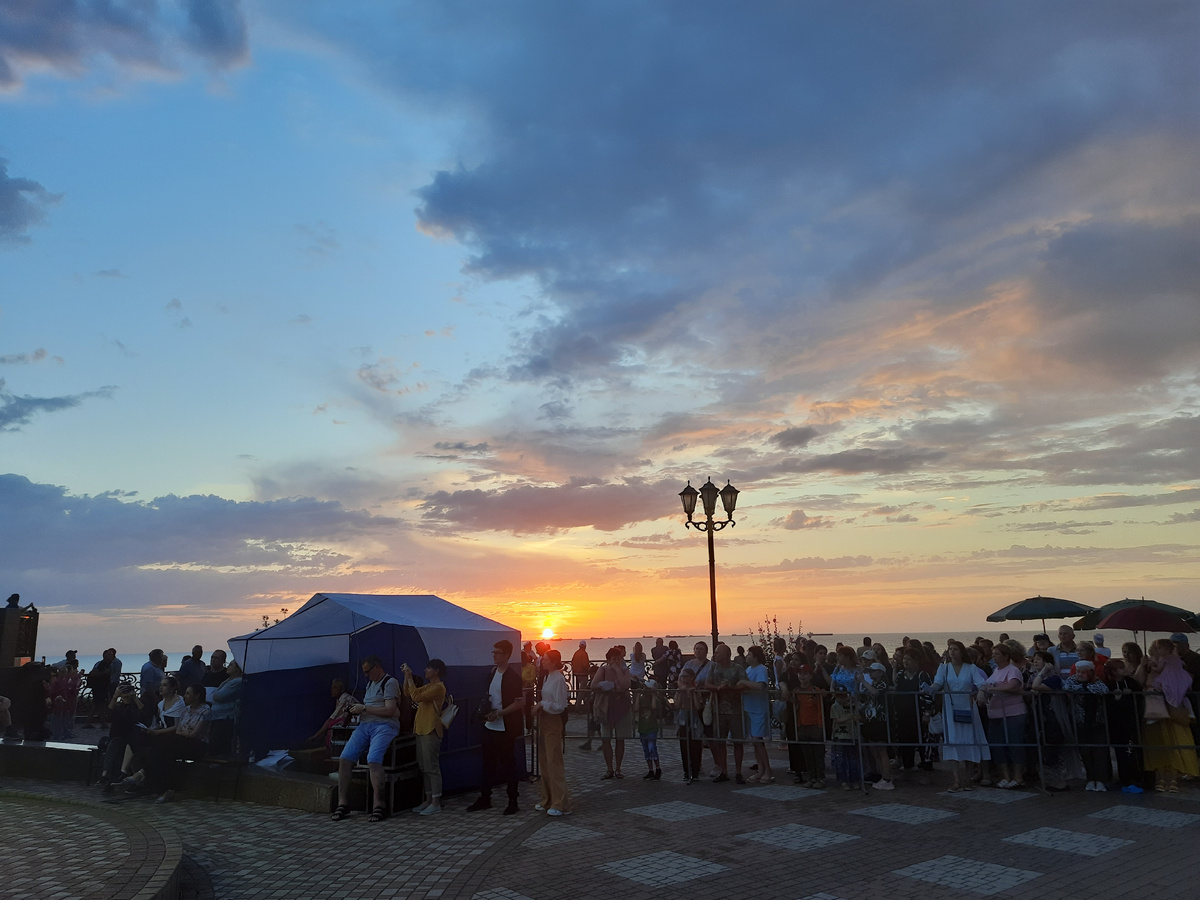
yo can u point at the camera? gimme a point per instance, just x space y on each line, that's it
484 708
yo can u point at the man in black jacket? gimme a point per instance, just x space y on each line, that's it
501 728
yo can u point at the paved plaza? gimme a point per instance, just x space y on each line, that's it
630 838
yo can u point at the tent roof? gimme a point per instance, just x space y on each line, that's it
319 632
328 614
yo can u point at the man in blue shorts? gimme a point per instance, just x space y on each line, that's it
377 728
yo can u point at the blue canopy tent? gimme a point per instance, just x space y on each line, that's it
289 666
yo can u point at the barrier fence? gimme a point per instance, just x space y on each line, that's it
1077 733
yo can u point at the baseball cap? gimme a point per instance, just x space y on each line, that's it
1179 638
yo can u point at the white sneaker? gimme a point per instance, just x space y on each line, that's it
555 812
539 807
420 809
883 785
431 810
1100 787
1091 786
1005 783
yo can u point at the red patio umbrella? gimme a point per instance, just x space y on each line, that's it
1145 618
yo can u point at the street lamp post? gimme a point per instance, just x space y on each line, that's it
708 494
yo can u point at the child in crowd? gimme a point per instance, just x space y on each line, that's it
845 752
647 714
810 727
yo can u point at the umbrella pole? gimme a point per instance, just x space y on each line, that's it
1044 626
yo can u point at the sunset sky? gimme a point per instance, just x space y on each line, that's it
454 298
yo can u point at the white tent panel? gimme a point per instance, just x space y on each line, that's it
457 648
298 653
318 633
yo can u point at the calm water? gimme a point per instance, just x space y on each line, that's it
132 662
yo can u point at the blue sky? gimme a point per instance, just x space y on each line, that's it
453 298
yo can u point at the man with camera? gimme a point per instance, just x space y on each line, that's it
502 725
377 728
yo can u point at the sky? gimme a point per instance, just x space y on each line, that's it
455 298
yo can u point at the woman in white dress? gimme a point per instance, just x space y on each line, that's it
965 741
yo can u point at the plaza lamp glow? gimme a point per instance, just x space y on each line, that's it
708 495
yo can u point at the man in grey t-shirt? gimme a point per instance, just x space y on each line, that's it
377 728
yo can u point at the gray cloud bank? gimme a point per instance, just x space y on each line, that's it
67 36
746 164
23 204
45 527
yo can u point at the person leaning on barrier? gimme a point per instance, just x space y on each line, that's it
1124 728
725 679
1091 725
612 707
1002 692
376 730
1170 750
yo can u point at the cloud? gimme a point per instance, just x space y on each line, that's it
17 410
1184 518
797 520
1069 527
529 509
45 527
1125 501
321 241
791 438
23 202
71 37
15 359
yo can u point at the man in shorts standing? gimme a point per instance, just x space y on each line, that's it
377 728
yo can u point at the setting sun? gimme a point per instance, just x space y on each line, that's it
547 633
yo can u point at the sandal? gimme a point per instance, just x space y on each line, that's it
340 813
1173 787
607 776
378 814
618 774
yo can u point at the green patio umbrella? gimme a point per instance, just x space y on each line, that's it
1040 608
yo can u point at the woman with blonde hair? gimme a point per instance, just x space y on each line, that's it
1170 750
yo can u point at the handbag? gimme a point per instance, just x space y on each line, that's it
449 712
1156 708
937 725
1181 714
963 716
706 715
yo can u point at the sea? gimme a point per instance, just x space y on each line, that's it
598 646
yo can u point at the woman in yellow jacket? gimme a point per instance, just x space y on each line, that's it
427 726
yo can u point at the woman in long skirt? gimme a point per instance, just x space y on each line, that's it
965 740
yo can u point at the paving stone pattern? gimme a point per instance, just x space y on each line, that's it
702 841
1069 841
969 875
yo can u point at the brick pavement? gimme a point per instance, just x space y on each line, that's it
632 838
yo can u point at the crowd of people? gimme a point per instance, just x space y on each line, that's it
993 712
153 719
996 712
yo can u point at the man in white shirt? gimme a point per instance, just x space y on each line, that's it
502 725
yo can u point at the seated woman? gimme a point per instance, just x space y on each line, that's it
170 704
186 739
342 701
225 700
